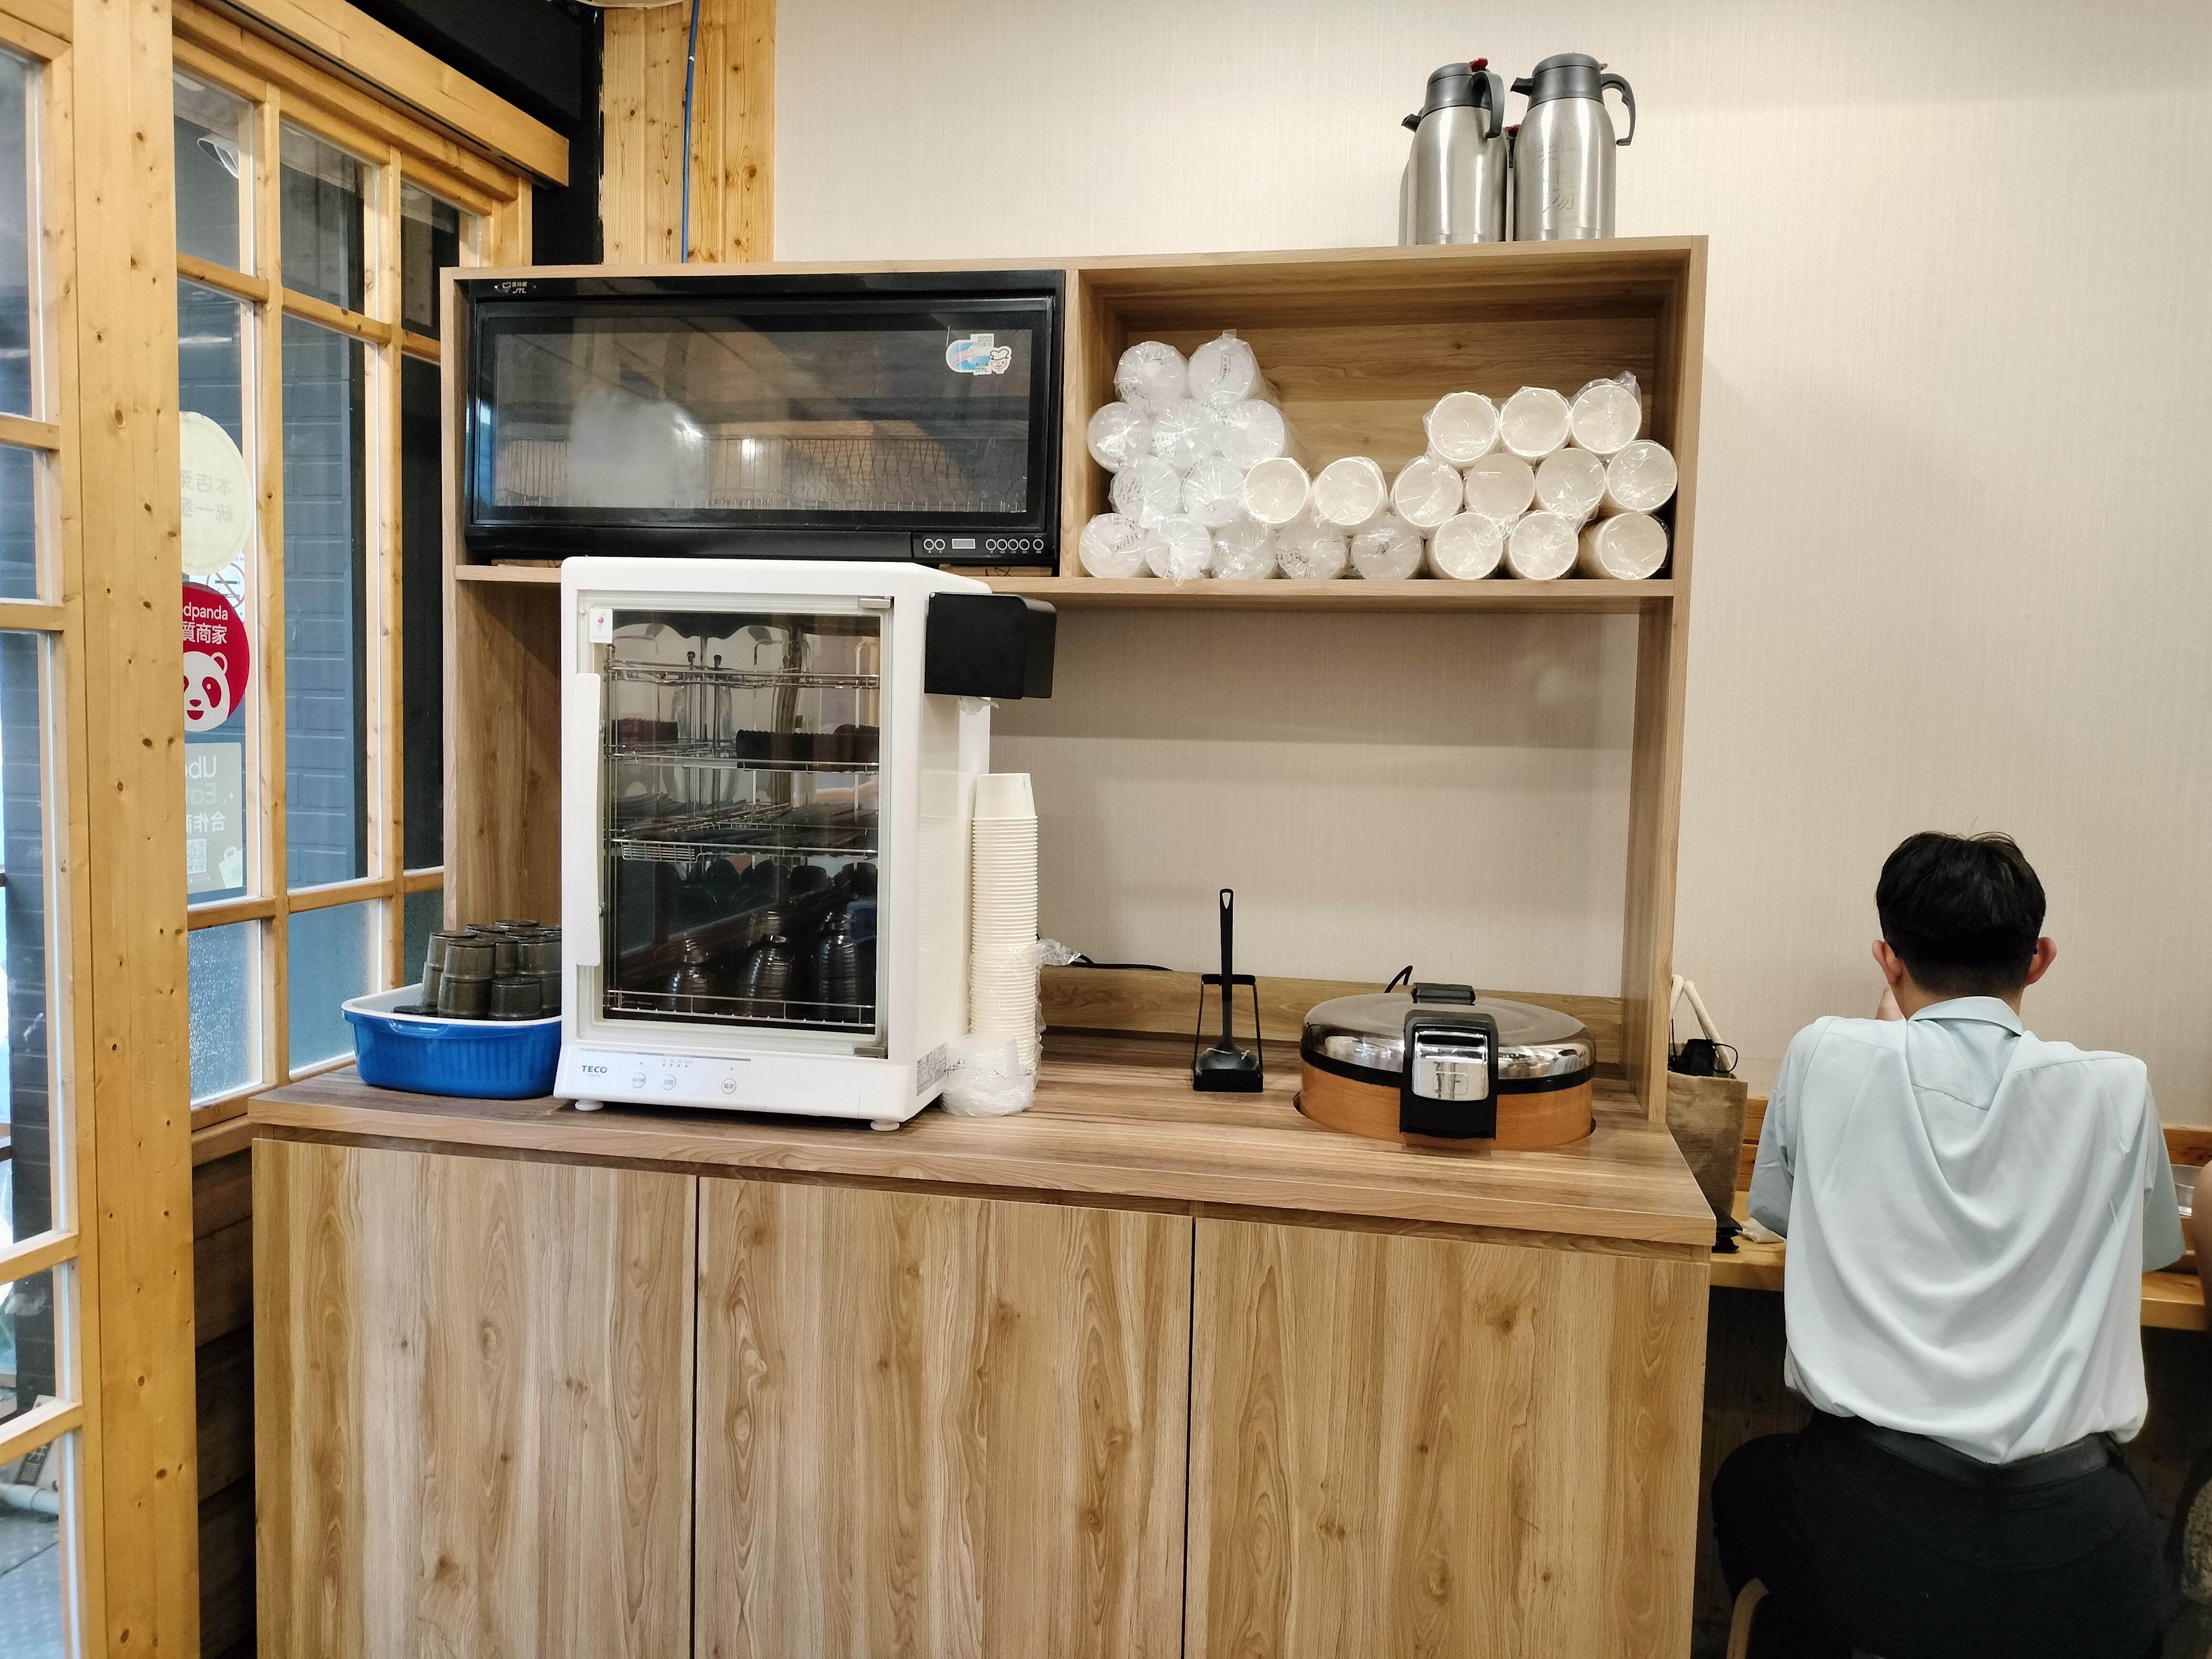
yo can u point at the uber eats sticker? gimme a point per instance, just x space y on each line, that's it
976 355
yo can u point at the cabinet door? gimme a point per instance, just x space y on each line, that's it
474 1391
1411 1446
934 1425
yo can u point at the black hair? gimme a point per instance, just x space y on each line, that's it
1962 912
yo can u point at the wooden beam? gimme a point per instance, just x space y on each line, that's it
30 434
404 74
730 147
137 1294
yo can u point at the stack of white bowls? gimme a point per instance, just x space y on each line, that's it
1002 922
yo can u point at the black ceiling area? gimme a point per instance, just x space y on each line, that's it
542 56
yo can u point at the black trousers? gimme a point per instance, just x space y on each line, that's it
1860 1548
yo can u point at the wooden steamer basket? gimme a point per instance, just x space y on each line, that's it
1532 1084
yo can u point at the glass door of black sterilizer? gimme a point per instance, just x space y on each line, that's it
843 423
740 795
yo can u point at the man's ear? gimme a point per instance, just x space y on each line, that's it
1892 965
2047 952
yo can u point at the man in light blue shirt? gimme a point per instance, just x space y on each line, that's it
1970 1211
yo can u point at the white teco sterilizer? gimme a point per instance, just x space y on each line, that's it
767 775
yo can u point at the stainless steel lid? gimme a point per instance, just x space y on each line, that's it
1370 1032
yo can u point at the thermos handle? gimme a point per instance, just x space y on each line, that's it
1627 96
1490 94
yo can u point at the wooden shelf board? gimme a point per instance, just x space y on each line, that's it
1115 1122
1572 596
543 575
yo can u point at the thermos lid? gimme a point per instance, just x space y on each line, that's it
1463 86
1575 74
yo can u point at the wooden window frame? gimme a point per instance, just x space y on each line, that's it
398 150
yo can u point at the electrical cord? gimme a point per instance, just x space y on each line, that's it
690 65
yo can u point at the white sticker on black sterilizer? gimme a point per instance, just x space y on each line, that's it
978 354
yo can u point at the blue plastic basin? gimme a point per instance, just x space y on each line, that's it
483 1059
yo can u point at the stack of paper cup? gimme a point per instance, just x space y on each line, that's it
1308 551
1533 423
1542 546
1252 432
1112 546
1639 479
1350 494
1569 482
1243 550
1151 373
1002 916
1147 490
1604 415
1118 434
1388 550
1628 547
1225 371
1276 491
1468 547
1427 491
1500 486
1462 428
1178 549
1183 433
1213 491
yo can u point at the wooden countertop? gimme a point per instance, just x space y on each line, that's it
1114 1118
2173 1302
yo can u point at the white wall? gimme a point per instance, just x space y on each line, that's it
1955 560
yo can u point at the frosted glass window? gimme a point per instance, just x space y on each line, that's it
323 193
215 173
425 914
222 971
32 1592
423 609
332 957
326 778
27 1099
16 80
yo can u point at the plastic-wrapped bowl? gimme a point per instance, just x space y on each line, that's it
477 1058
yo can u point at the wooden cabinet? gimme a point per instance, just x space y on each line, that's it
939 1426
1408 1446
473 1381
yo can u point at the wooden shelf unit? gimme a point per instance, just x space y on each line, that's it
1359 342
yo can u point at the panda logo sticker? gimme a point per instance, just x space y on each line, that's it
978 354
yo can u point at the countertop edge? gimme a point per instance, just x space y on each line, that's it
879 1158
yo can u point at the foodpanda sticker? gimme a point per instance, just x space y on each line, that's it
976 355
217 658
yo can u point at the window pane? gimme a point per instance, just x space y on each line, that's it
21 471
26 1098
433 235
426 913
30 1576
323 190
26 1344
331 957
326 782
223 721
16 80
222 969
215 173
422 637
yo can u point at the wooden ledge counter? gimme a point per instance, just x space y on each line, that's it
1115 1119
1137 1372
2171 1300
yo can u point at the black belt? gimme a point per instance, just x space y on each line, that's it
2087 1455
